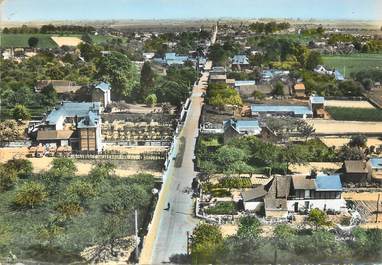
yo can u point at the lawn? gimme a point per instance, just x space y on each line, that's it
347 64
21 41
355 114
223 208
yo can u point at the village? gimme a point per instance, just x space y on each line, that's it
288 134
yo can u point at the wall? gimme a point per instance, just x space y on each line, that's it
253 206
334 204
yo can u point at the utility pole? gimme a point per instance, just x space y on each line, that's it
378 201
188 243
136 236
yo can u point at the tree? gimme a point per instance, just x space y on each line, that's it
120 72
80 189
151 100
278 90
32 42
8 177
101 172
314 59
249 227
359 141
305 129
172 92
318 218
350 153
86 38
218 55
20 112
205 242
23 167
147 80
227 155
30 195
89 51
367 83
8 131
63 167
284 235
49 96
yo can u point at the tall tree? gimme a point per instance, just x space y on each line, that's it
120 72
147 81
314 59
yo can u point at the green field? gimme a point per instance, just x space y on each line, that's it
45 41
347 64
355 114
21 41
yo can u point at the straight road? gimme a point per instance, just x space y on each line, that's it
169 227
168 230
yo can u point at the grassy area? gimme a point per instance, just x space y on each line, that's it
21 41
347 64
52 217
45 41
355 114
223 208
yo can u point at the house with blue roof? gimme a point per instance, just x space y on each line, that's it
237 128
171 58
320 191
240 62
283 195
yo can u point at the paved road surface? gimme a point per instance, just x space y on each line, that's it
169 235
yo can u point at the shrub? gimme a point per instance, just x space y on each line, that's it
30 194
8 178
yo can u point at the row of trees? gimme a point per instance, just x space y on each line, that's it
51 29
269 27
286 245
250 154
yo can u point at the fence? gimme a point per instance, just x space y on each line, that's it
142 156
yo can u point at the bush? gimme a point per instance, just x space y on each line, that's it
8 178
30 194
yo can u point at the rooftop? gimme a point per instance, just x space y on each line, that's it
72 109
297 110
317 100
356 166
245 82
376 163
240 59
328 183
103 86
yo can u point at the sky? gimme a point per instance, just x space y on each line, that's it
40 10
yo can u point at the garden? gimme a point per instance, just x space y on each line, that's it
355 114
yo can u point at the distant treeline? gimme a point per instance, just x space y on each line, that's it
50 29
270 27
